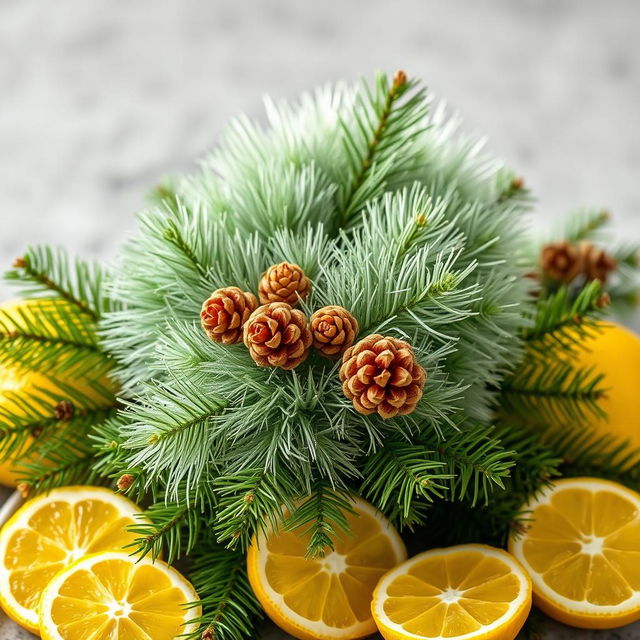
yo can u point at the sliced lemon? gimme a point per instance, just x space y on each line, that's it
328 597
109 596
469 591
51 531
582 550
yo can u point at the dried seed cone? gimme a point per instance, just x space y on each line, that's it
561 261
381 375
596 264
284 282
333 330
223 315
277 336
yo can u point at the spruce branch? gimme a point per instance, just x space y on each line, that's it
230 610
584 224
173 235
402 479
44 271
587 452
381 129
476 460
167 431
26 414
564 321
170 528
51 336
321 517
57 461
554 393
249 502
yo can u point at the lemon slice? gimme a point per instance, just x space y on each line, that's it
329 597
582 550
109 596
51 531
469 591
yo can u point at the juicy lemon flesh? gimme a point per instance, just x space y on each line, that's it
118 599
585 546
58 533
335 590
452 595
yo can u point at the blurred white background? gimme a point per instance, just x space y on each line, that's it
99 100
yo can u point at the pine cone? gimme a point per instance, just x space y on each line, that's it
596 264
382 375
284 282
225 312
277 336
64 410
333 330
561 261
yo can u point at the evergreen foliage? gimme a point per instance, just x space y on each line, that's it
393 215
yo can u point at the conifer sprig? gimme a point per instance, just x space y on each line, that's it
230 610
557 392
249 502
373 134
52 337
563 320
321 517
45 271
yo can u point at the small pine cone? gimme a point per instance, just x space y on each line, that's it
284 282
333 330
382 375
596 264
224 313
125 481
64 410
277 336
561 261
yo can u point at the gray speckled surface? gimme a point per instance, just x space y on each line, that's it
100 99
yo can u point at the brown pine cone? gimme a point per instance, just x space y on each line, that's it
333 330
284 282
596 264
277 336
561 261
382 375
225 312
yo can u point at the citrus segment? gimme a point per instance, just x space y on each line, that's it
582 549
49 532
469 591
327 597
111 595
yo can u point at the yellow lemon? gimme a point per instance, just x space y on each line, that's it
469 591
327 597
615 352
582 550
112 595
48 533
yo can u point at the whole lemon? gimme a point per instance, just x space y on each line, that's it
16 379
615 352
